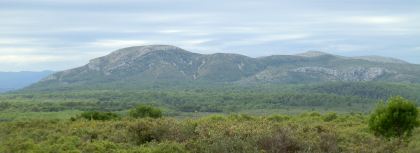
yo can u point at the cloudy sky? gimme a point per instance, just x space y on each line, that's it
60 34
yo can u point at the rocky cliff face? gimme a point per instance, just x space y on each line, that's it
349 74
157 63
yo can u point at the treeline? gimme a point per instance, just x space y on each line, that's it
338 96
182 101
373 90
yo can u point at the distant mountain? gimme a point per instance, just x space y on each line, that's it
155 64
17 80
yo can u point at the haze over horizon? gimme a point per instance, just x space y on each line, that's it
57 35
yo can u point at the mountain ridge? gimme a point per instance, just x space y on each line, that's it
164 63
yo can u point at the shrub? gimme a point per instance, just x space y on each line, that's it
395 119
328 142
314 114
330 116
215 118
142 131
278 118
143 111
163 147
99 147
240 117
156 130
281 141
93 115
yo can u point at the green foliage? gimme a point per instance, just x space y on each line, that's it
39 122
240 117
373 90
278 118
259 99
94 115
221 134
395 119
163 147
281 140
142 111
330 116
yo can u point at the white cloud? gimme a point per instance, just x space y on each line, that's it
171 31
11 41
281 37
376 20
18 50
30 30
195 42
261 39
118 43
189 32
30 58
20 41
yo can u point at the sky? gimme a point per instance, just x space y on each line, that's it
56 35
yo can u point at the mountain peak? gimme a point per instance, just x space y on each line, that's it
159 47
312 54
127 57
140 50
133 52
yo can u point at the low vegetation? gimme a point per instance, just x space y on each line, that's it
267 119
143 130
94 115
143 111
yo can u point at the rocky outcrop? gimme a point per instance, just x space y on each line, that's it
348 74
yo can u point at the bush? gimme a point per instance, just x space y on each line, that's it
396 119
278 118
93 115
240 117
164 147
143 131
143 111
330 116
281 141
328 142
155 130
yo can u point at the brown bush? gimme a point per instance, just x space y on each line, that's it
329 143
281 141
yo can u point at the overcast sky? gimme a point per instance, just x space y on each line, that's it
61 34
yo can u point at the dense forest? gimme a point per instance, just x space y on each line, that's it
185 101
